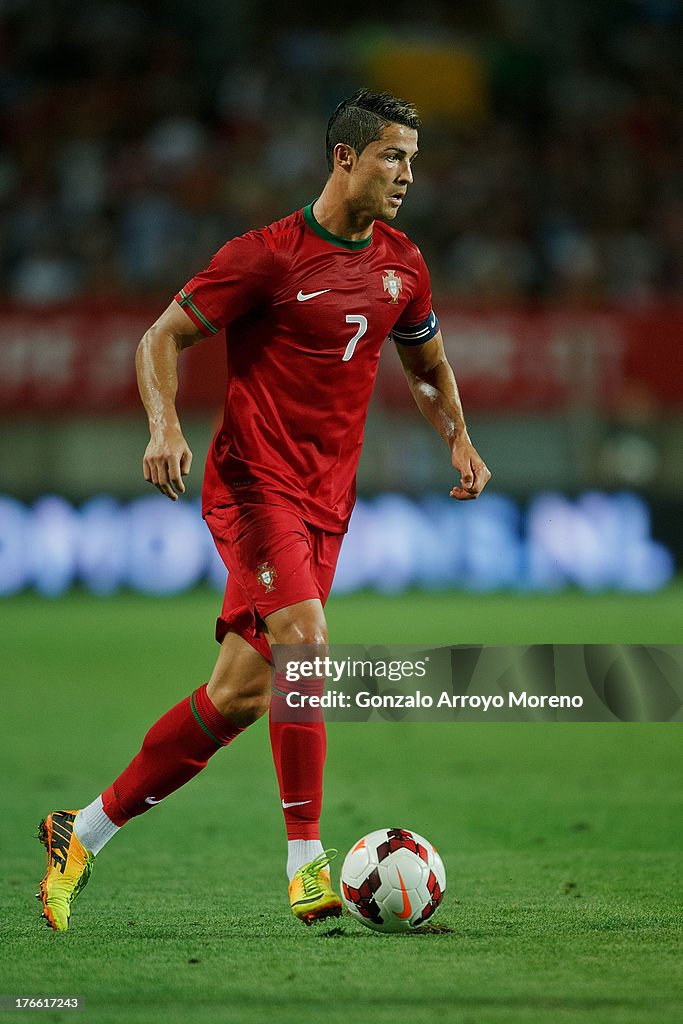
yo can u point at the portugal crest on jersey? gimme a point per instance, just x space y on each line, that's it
392 284
267 574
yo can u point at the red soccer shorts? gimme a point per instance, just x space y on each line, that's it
274 559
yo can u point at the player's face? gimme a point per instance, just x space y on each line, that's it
382 173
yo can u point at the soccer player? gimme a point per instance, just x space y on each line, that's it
307 303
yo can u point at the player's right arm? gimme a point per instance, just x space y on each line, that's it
168 457
239 277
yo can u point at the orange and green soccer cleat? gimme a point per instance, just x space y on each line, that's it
311 896
68 868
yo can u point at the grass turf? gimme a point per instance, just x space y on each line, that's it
561 842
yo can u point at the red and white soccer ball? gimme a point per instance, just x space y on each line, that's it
392 880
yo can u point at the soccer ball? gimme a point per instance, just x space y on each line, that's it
392 880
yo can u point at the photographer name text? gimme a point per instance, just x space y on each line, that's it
391 701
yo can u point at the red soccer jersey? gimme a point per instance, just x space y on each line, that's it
306 315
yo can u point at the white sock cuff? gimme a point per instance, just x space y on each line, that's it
300 852
93 828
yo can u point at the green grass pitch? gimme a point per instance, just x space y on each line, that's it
561 841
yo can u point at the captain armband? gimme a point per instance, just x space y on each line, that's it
416 334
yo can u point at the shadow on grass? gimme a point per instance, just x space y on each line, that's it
428 929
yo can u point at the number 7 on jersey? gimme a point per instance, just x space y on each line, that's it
362 321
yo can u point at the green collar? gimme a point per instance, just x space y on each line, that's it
343 243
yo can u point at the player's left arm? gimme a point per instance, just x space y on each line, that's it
432 382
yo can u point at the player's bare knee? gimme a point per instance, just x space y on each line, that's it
297 625
310 632
302 623
301 631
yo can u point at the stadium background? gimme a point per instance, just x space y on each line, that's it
548 204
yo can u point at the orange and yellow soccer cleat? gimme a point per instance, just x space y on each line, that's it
311 896
68 868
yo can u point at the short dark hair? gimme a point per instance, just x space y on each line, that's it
361 118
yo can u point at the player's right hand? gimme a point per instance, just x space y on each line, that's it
167 460
474 473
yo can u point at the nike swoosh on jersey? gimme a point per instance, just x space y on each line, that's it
295 803
311 295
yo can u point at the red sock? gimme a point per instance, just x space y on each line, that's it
299 746
174 750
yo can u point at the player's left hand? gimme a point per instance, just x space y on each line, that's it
474 473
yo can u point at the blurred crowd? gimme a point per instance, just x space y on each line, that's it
136 141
